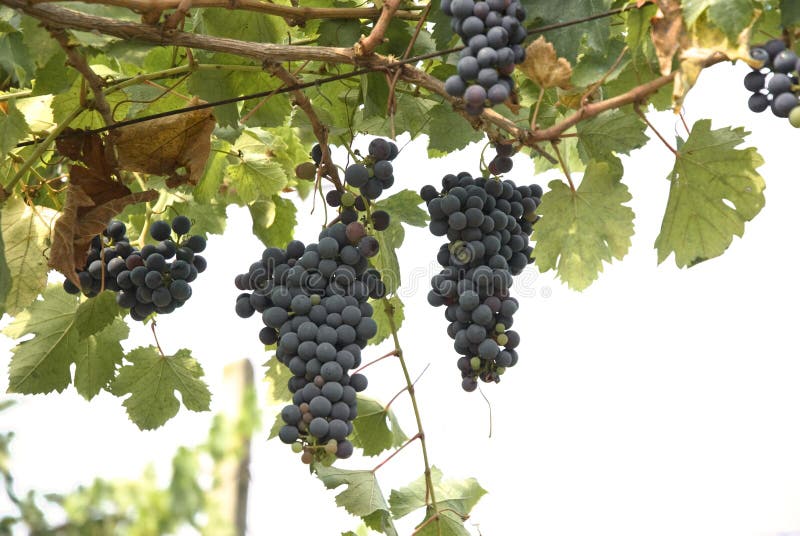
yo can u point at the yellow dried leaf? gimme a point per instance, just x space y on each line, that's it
544 67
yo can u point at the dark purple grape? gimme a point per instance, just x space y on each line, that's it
487 77
455 86
475 95
471 27
783 104
356 175
462 8
774 47
468 68
497 37
380 220
754 81
379 149
498 93
760 54
316 154
779 83
785 61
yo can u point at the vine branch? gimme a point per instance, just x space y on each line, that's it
78 62
320 130
367 45
430 492
294 15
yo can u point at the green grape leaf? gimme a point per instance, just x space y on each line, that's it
337 33
152 379
12 128
98 356
277 378
386 261
405 206
381 317
448 131
256 179
730 16
568 41
442 33
207 188
376 429
207 218
579 230
362 496
714 190
95 314
374 94
54 77
458 497
790 12
600 64
614 131
274 221
5 274
256 27
411 115
15 58
26 236
41 364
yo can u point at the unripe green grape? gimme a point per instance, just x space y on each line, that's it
500 328
500 370
475 363
794 117
297 448
502 339
348 199
331 446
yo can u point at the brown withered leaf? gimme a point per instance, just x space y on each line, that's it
162 146
544 67
93 198
667 32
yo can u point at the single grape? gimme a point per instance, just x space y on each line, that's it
356 175
181 225
754 81
306 171
160 230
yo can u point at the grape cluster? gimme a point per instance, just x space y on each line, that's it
488 223
775 84
154 279
492 32
370 178
313 303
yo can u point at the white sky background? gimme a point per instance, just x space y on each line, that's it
659 401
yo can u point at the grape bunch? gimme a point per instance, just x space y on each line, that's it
775 85
370 178
313 303
492 32
154 279
487 223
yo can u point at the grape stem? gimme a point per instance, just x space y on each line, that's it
404 389
430 493
381 358
641 114
393 454
158 345
563 165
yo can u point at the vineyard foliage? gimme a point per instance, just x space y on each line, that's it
130 110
